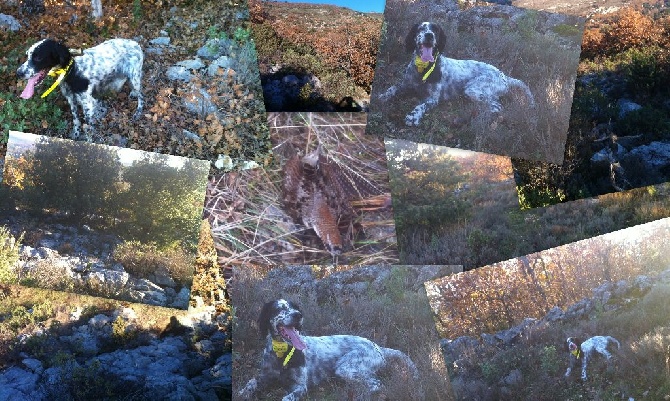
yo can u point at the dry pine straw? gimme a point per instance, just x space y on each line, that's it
245 210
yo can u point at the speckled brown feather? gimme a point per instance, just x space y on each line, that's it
317 193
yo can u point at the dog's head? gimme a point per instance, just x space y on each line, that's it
282 318
573 344
42 57
426 39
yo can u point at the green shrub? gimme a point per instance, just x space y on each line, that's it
530 197
137 10
241 34
90 382
122 334
652 123
22 317
267 40
25 115
549 360
647 71
9 255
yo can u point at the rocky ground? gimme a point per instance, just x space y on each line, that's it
470 356
81 258
110 355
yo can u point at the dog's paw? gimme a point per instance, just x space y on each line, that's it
248 390
386 96
413 119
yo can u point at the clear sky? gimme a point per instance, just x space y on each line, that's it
365 6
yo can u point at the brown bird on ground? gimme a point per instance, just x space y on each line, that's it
317 192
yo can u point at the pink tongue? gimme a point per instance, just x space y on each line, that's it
292 334
427 54
29 90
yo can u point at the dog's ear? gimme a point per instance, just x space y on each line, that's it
264 318
62 54
410 39
296 308
441 38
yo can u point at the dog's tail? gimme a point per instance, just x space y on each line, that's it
522 85
394 354
614 340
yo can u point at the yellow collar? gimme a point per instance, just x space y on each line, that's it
421 66
575 353
60 73
280 348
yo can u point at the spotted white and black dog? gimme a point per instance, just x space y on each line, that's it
102 68
584 350
441 77
295 362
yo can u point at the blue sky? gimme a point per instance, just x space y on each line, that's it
365 6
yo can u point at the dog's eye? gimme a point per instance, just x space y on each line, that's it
37 58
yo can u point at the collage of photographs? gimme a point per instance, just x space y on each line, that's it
334 200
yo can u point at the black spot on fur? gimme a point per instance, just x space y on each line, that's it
76 81
441 37
410 39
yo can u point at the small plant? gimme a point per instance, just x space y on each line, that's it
21 115
137 10
9 255
242 34
549 360
214 32
490 371
122 334
90 382
531 197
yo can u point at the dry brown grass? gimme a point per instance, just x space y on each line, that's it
493 228
249 223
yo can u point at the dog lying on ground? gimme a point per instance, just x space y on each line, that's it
99 69
442 78
298 362
585 350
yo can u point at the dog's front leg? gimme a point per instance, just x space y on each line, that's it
296 394
90 107
390 92
584 361
76 123
248 391
415 116
299 386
